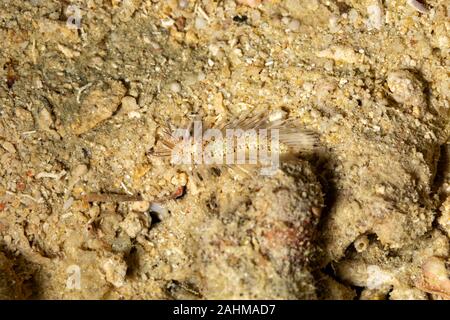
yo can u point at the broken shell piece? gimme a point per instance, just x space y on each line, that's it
360 274
435 277
376 14
417 5
181 179
167 23
175 87
51 175
183 4
158 208
68 204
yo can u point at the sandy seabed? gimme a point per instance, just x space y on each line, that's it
87 211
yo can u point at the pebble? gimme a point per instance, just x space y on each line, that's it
180 179
79 171
76 174
294 25
341 53
175 87
406 89
167 23
129 104
200 23
375 13
115 271
99 105
417 6
8 146
183 4
132 225
140 206
44 119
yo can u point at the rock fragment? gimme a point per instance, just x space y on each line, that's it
342 54
406 89
115 270
99 105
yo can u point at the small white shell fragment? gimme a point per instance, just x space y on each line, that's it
200 23
158 208
69 53
134 115
375 12
167 23
417 5
175 87
341 53
214 48
51 175
377 277
294 25
277 115
183 4
360 274
180 179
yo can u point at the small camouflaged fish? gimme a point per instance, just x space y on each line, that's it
239 144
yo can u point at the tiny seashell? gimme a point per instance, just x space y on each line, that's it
417 5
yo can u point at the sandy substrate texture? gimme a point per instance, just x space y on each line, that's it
367 215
